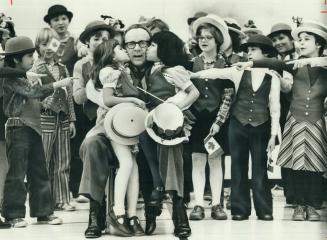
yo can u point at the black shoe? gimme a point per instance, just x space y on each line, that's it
228 204
135 226
240 217
150 224
4 225
180 220
218 213
116 228
93 230
197 213
266 217
156 196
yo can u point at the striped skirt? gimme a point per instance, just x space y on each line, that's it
304 146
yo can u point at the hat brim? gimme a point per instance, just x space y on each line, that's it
273 51
156 138
47 18
220 25
86 33
297 31
272 34
255 30
239 32
111 133
25 51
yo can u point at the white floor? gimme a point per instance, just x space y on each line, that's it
282 227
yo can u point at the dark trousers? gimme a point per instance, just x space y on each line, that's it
243 139
307 186
26 157
98 159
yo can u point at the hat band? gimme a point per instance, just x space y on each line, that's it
118 134
167 134
313 25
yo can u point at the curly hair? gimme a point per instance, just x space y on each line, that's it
103 56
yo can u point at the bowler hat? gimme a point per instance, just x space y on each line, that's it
94 26
219 24
196 16
279 27
124 123
164 124
261 41
55 11
18 45
312 27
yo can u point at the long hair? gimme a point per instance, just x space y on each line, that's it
103 56
171 50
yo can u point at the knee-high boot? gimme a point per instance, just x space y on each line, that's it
180 219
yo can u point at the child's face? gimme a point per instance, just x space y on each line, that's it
282 42
27 61
97 39
152 53
207 42
45 52
307 45
60 24
120 54
255 53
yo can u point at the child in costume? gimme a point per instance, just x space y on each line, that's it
109 73
211 111
57 119
167 78
253 128
24 147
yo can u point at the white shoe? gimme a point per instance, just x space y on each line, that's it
82 199
18 223
51 219
65 207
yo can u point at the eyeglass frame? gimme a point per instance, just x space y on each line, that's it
207 38
140 43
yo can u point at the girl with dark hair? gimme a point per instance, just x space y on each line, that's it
109 72
166 80
211 110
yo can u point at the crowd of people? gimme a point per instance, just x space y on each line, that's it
147 114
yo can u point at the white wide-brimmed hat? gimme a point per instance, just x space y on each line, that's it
312 27
124 123
218 23
164 124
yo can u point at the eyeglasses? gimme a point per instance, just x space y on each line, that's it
207 38
132 45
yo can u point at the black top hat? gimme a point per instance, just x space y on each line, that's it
55 11
261 41
94 26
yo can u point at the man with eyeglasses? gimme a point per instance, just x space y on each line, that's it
137 39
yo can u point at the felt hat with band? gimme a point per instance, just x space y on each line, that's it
261 41
312 27
94 26
55 11
219 24
278 28
18 45
124 123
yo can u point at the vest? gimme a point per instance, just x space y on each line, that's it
128 85
158 86
211 91
308 94
89 107
251 107
69 57
60 102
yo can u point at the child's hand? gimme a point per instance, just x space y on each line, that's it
34 78
72 129
64 82
138 102
271 145
214 129
243 65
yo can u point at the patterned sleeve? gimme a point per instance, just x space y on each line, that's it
109 77
223 112
72 116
